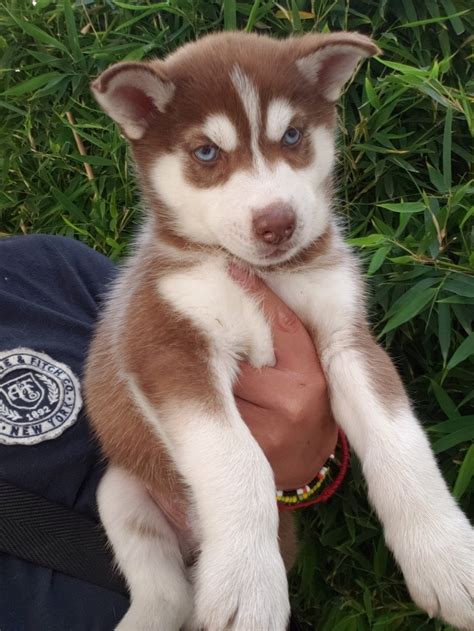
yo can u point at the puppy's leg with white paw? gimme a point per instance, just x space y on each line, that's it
429 535
240 578
147 552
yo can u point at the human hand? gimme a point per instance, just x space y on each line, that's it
286 407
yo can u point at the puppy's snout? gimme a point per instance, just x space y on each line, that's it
274 224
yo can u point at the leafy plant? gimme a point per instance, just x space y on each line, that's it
406 124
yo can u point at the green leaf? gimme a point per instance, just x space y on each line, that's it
380 559
445 402
457 300
253 16
464 435
157 6
369 241
465 350
72 34
409 310
403 68
94 160
456 23
437 179
38 34
405 207
377 259
30 85
444 329
465 475
230 15
447 139
368 605
443 18
407 295
295 17
371 94
460 284
454 423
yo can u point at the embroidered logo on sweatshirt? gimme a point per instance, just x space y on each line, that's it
39 397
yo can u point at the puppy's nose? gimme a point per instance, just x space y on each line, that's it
275 223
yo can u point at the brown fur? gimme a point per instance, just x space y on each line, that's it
126 438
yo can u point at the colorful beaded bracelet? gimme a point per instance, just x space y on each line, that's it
307 495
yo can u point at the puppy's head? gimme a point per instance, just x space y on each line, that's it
233 136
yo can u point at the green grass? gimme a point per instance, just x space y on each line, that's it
404 191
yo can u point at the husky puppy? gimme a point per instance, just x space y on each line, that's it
233 140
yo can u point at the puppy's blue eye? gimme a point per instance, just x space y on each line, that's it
292 136
207 153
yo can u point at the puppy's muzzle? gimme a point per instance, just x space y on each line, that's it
274 224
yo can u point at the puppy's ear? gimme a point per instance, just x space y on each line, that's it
133 94
333 60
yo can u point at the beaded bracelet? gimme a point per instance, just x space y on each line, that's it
307 495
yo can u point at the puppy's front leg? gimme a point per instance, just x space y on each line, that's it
240 580
431 538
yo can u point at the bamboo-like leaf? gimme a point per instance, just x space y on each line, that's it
444 329
370 240
377 259
465 350
253 16
72 33
30 85
38 34
447 136
157 6
405 207
230 15
409 310
295 17
465 474
445 402
437 20
457 437
461 284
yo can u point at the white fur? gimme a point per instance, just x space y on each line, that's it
161 596
234 495
221 131
232 489
250 98
279 116
233 322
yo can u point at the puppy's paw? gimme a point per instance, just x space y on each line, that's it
244 591
160 610
261 353
439 571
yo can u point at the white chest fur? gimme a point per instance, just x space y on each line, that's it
230 318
